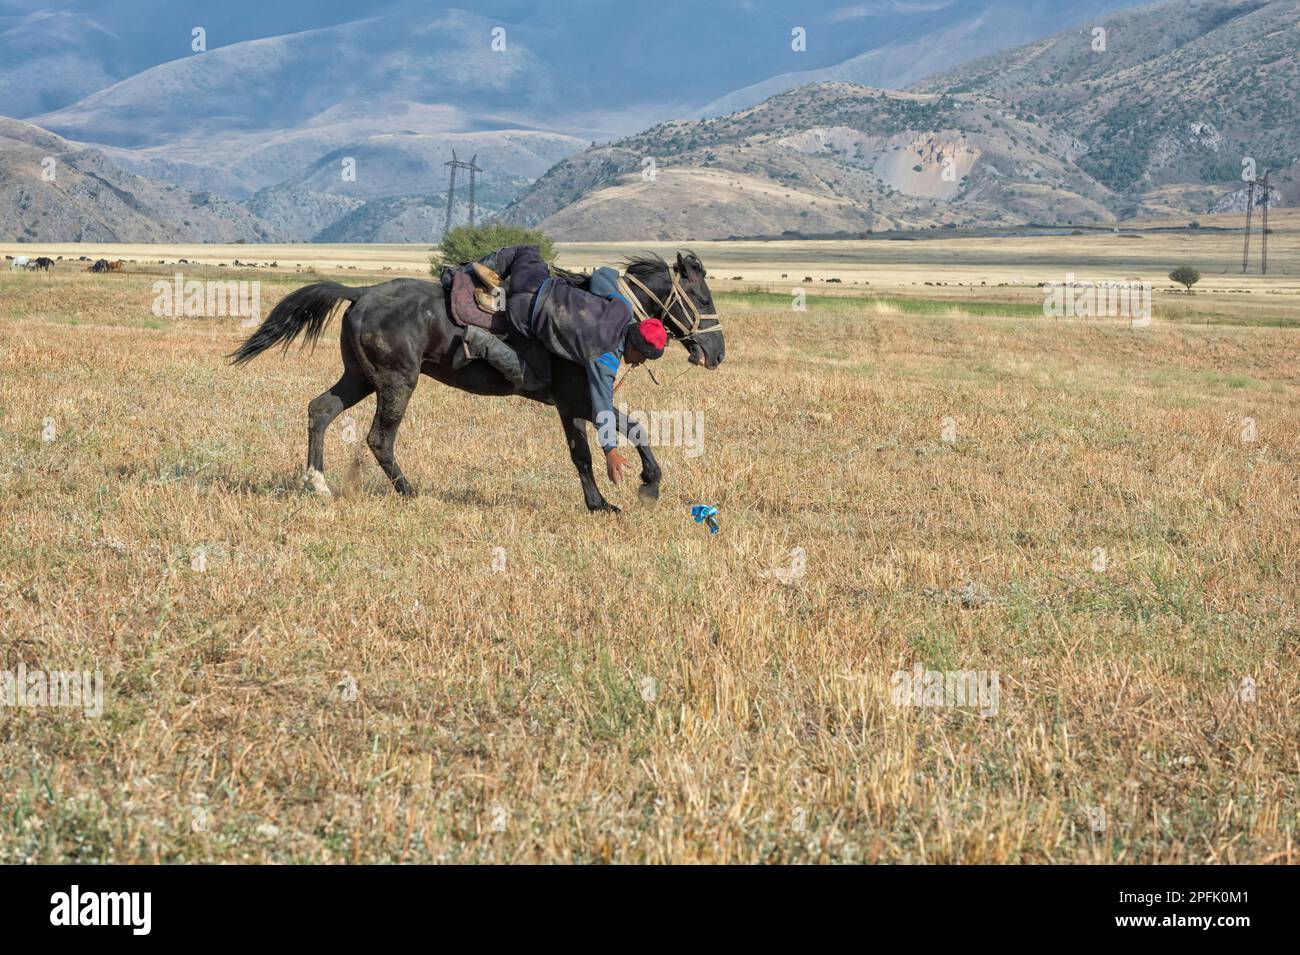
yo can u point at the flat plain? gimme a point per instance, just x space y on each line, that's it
922 470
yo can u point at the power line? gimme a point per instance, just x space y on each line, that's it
1263 257
473 168
1250 214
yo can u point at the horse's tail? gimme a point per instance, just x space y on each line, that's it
308 309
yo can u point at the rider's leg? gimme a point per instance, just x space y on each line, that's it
523 265
480 343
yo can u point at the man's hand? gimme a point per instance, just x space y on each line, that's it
614 465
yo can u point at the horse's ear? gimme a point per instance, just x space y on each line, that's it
688 263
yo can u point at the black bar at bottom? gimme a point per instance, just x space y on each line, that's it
343 905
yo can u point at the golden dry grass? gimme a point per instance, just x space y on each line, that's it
502 716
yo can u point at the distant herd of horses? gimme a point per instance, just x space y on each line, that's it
45 264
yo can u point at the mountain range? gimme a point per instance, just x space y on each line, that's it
1147 112
894 113
53 190
1180 95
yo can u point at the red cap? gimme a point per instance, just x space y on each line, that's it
649 337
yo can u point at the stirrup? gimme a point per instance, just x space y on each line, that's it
486 275
480 343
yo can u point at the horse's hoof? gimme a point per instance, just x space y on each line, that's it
604 507
648 494
315 483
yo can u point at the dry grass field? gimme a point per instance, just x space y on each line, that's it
293 679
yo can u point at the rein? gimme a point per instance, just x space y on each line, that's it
650 371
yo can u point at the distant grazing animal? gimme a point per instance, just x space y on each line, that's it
99 265
116 266
19 263
44 264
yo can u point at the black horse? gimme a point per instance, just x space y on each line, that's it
394 332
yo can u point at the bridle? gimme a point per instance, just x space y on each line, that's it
678 296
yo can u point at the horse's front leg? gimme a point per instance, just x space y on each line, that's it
651 473
575 432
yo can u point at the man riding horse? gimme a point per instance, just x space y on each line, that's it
395 332
595 328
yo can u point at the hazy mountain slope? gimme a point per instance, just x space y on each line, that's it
300 213
49 58
306 215
245 116
321 203
91 200
364 73
1182 92
386 164
938 36
825 158
396 164
55 52
396 219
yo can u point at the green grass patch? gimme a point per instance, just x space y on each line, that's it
909 306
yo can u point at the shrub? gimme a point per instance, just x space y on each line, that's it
464 244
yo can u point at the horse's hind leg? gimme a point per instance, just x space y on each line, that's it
390 408
325 407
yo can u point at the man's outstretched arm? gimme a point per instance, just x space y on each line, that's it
601 372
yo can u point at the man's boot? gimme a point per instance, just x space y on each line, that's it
480 343
488 280
486 274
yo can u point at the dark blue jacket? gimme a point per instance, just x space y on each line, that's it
573 323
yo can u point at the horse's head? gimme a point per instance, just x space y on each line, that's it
679 296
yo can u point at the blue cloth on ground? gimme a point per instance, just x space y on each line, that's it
706 514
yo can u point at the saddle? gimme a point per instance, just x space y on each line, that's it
460 285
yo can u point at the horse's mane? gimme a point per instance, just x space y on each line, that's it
647 263
641 265
572 278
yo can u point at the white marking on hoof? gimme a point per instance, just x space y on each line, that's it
315 482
